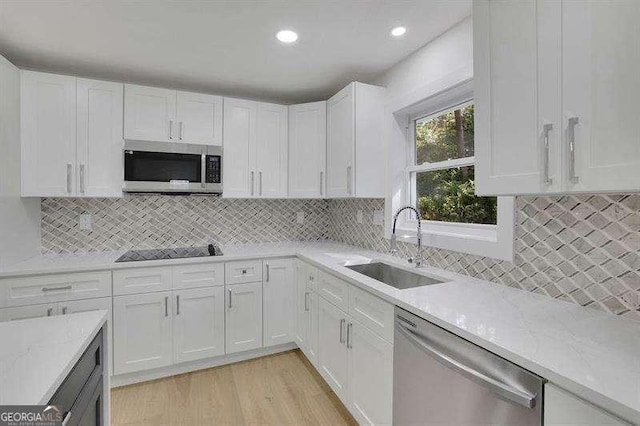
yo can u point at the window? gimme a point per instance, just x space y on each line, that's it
441 175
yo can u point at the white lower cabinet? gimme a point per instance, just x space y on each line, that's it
370 376
142 332
333 355
243 325
198 324
278 296
306 312
563 408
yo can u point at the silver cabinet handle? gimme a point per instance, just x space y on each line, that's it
177 304
267 279
180 130
203 170
496 386
306 301
230 294
573 121
342 321
321 182
66 419
170 129
349 344
252 183
66 287
546 179
49 312
260 180
166 306
82 183
349 180
64 310
69 166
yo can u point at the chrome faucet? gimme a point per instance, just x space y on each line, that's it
394 244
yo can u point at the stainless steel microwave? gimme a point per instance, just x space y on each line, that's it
172 168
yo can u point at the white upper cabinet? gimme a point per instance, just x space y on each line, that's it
271 151
601 88
149 114
239 138
255 149
199 118
555 95
307 150
355 146
99 138
48 134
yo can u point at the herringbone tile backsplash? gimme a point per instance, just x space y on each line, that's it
584 249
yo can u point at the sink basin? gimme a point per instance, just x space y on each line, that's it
395 277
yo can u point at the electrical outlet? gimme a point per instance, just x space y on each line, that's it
300 217
359 216
85 222
378 217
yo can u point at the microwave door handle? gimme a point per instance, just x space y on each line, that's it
203 170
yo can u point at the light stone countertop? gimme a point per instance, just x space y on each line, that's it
592 354
36 355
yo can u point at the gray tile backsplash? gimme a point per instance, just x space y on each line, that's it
584 249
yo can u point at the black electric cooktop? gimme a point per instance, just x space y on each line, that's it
173 253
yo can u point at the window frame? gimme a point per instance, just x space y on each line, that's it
494 241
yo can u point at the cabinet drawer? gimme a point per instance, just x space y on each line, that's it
334 290
142 280
55 288
200 275
245 271
371 311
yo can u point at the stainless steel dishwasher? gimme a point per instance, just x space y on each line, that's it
442 379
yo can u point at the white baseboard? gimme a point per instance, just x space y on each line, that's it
172 370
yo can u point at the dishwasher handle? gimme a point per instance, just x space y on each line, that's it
503 389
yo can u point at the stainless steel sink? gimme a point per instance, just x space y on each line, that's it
395 277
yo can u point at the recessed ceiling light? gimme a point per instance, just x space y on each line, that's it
398 31
287 36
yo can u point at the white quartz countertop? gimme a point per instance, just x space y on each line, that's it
36 355
592 354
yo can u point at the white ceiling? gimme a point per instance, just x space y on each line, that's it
226 47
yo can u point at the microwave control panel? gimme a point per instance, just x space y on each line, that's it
214 169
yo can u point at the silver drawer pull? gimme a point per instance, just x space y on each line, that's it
66 419
342 321
546 179
349 344
49 312
230 295
64 310
321 182
166 306
573 122
69 167
170 129
66 287
177 304
306 301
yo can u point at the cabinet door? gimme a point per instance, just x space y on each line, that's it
99 138
370 376
302 306
341 143
600 68
243 317
332 348
26 312
517 94
199 118
271 151
239 140
149 114
307 150
48 134
198 325
278 301
312 328
562 408
142 335
102 303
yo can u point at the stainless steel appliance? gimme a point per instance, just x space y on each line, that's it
173 253
172 168
440 378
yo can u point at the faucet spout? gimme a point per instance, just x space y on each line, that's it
394 243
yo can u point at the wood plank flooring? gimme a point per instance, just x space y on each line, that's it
280 389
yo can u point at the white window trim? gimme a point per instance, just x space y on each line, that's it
495 241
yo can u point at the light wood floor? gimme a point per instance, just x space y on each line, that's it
279 389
